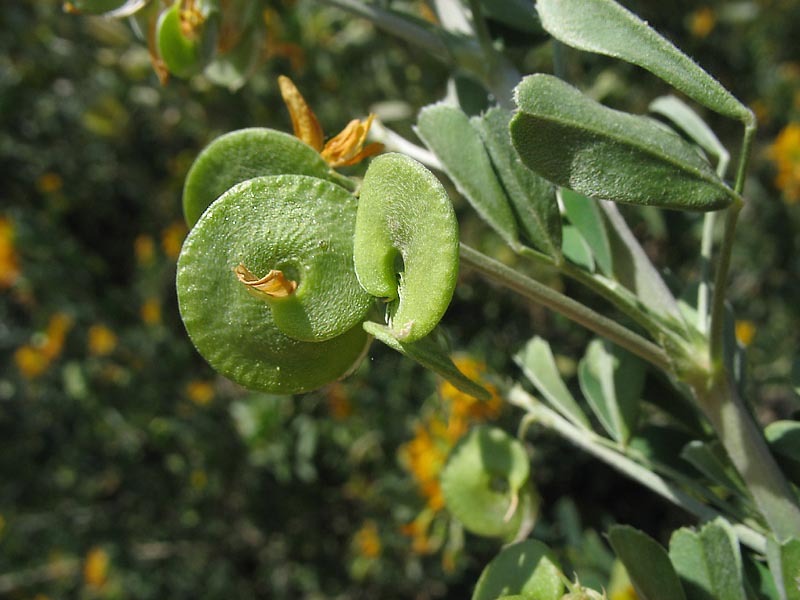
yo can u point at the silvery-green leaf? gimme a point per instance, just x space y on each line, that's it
677 111
647 564
710 459
784 441
537 362
432 353
584 213
447 132
784 564
527 568
575 248
708 562
606 27
612 381
575 142
532 198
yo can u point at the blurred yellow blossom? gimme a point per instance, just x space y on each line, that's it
95 568
339 404
145 249
425 454
49 183
745 332
33 359
198 479
702 21
626 593
9 262
276 46
785 151
367 541
418 530
151 311
200 392
344 149
172 238
102 340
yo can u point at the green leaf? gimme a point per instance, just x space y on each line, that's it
518 14
709 563
537 362
432 352
527 568
662 445
677 111
578 143
532 198
605 27
486 484
447 132
647 564
586 216
404 214
784 441
241 155
634 269
612 381
710 459
784 563
266 223
575 248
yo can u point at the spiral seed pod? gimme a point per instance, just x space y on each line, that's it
486 486
284 333
406 244
186 36
244 154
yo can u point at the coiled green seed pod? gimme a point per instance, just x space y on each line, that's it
294 340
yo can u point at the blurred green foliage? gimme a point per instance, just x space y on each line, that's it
130 470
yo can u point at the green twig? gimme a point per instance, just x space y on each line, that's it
749 453
726 249
541 294
591 443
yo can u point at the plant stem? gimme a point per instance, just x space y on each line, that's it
402 26
597 284
706 251
588 441
541 294
721 278
749 453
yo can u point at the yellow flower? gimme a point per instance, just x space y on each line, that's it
345 149
626 593
95 568
785 151
338 402
34 359
417 530
145 249
466 409
198 479
151 311
367 541
172 238
745 332
9 262
200 392
702 21
424 456
102 340
49 183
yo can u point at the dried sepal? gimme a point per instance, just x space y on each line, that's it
274 284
